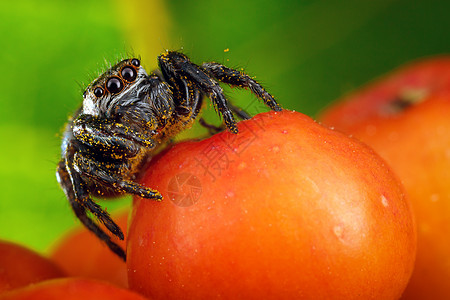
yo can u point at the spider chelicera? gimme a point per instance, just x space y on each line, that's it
126 114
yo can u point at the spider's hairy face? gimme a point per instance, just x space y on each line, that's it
122 84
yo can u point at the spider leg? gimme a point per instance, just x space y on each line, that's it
212 129
104 173
95 132
176 66
240 113
237 78
65 179
81 194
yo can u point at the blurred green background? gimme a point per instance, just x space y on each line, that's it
307 53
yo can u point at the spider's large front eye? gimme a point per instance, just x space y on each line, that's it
129 74
98 92
135 62
114 85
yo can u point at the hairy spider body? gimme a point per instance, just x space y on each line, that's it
126 114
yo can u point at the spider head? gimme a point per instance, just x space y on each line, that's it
111 88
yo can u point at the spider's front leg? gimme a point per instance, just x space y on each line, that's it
118 144
96 159
68 180
109 175
108 136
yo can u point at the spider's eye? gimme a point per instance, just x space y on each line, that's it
114 85
129 74
135 62
98 92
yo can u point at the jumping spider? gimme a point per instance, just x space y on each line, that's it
126 114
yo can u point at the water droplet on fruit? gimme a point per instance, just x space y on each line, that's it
230 194
242 166
434 197
275 149
338 231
